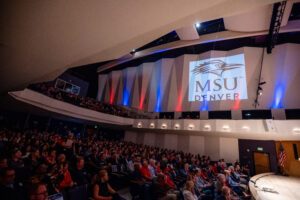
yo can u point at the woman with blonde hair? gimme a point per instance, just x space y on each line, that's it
189 192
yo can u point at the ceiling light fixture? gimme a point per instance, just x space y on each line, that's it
198 24
132 51
176 126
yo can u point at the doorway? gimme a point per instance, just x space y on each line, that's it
261 162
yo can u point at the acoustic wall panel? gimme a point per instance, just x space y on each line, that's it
101 86
145 74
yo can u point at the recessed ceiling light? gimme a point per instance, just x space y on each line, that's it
191 126
226 128
177 126
139 125
296 130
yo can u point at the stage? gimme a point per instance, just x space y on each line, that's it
269 186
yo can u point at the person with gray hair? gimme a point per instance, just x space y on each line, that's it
219 183
152 168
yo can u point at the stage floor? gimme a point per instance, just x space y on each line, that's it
269 186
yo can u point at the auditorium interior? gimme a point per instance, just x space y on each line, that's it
150 100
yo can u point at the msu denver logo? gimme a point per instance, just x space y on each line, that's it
216 67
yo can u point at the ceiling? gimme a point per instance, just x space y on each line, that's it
41 39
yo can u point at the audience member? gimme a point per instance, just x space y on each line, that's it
102 190
150 170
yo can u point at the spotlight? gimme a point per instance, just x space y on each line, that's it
198 25
207 127
226 128
152 125
191 127
176 126
260 93
132 51
139 125
163 126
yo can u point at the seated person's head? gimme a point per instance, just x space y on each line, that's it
189 185
61 158
226 191
190 177
7 176
35 152
145 163
17 154
152 162
52 152
237 167
198 172
3 162
231 169
221 178
103 175
65 166
186 166
137 167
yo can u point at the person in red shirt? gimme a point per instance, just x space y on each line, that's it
145 170
67 181
169 181
215 168
157 167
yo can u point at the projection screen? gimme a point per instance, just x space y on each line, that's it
217 79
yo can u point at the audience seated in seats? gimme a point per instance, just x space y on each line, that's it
162 190
226 194
235 182
204 187
86 102
239 175
145 172
78 173
62 167
102 190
